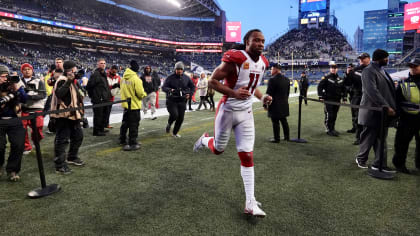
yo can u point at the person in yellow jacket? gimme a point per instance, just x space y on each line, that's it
295 85
131 87
408 102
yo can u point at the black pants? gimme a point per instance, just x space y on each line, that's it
203 100
211 101
408 127
16 135
304 94
276 128
130 123
176 111
370 138
107 115
99 118
355 100
67 129
189 103
331 112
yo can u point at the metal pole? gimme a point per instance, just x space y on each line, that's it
299 140
45 189
38 152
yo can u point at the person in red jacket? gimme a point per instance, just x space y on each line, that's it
194 79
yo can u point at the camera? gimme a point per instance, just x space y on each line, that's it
79 74
7 98
176 93
8 89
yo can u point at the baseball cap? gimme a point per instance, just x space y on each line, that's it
414 62
363 55
277 65
332 64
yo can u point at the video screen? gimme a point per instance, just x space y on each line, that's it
412 16
313 5
233 31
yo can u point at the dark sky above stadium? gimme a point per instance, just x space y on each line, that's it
271 16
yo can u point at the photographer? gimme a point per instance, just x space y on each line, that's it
67 94
178 88
35 89
11 94
55 74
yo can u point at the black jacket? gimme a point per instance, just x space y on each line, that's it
98 88
332 88
151 82
353 81
303 83
177 87
63 92
279 89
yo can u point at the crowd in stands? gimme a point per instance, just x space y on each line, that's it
323 43
99 15
40 57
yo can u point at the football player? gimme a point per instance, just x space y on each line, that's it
242 70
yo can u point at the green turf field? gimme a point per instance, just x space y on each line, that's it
166 189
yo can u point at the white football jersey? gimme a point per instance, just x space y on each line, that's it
249 74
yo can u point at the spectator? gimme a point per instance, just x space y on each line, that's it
99 92
36 97
378 91
202 90
151 85
279 89
114 85
303 86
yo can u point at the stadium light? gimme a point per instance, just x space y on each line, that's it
175 3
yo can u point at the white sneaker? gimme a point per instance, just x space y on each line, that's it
176 135
27 152
252 207
199 144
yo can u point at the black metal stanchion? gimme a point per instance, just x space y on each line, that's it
298 139
379 173
45 189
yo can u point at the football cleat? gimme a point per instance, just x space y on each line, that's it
252 208
199 144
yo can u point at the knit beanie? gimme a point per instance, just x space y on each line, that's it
179 65
68 65
26 65
379 54
134 66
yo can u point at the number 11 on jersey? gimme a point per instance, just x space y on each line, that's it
253 82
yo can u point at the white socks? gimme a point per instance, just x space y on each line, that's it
247 174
